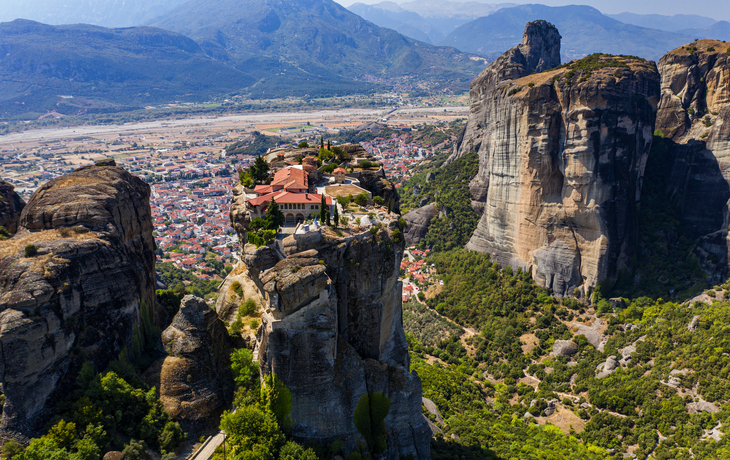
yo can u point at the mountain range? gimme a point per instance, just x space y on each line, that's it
489 29
88 69
318 37
261 48
198 50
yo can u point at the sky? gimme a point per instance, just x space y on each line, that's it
716 9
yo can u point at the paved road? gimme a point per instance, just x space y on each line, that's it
208 448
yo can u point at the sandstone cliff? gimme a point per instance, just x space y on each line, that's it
539 51
332 331
82 297
194 380
11 206
561 159
694 116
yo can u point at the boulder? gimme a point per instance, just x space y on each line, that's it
702 406
113 455
693 324
607 367
564 348
417 222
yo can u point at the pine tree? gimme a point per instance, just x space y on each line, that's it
259 170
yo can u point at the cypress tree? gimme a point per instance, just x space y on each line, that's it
337 215
274 216
323 211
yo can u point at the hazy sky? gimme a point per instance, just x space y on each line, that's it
716 9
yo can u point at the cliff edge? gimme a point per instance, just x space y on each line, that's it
332 332
76 284
561 160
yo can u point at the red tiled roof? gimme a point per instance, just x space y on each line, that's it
289 197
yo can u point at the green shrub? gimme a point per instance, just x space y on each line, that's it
374 230
247 308
4 233
237 288
711 49
362 199
11 449
134 450
397 236
378 200
171 436
514 91
303 145
31 250
369 419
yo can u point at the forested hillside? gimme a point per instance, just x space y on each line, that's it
651 379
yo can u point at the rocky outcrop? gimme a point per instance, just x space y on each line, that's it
194 380
11 206
694 118
82 297
376 183
417 222
539 51
332 331
561 160
564 348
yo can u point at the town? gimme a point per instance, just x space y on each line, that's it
191 175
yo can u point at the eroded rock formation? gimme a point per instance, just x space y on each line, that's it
694 118
332 331
194 380
561 159
81 297
418 221
11 206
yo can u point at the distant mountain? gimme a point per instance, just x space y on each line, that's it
434 19
660 22
107 13
87 69
392 16
584 29
718 31
316 38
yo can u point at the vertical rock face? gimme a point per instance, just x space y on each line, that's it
332 331
82 297
195 380
11 206
561 158
539 51
694 115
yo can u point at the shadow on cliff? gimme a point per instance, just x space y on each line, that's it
681 217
